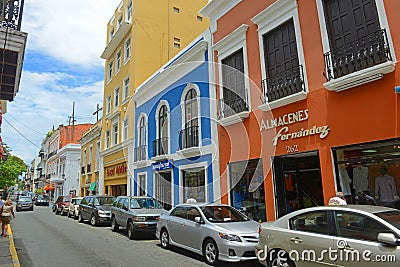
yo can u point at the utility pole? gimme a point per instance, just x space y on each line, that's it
98 109
72 118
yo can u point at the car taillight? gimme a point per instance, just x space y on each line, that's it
259 230
158 218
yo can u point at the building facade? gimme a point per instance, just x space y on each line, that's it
322 113
175 156
132 55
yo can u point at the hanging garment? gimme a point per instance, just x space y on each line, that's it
385 188
360 178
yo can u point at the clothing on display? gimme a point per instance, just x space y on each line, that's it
344 181
385 188
360 178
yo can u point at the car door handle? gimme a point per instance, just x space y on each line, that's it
296 240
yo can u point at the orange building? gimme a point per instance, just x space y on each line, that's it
312 86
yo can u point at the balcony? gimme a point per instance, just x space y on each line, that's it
13 52
233 110
52 153
160 148
140 153
283 88
358 62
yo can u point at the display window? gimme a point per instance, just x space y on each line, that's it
369 173
247 182
194 184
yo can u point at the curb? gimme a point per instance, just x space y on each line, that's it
13 251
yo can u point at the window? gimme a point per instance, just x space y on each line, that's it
119 22
115 133
97 156
179 212
116 97
129 12
110 70
177 42
355 37
142 185
125 129
84 157
140 150
107 139
127 49
108 106
126 88
313 222
190 134
118 62
192 213
176 10
199 18
194 184
177 45
160 145
111 33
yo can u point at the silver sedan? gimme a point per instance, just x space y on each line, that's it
352 235
218 232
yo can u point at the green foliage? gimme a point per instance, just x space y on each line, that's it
39 191
10 169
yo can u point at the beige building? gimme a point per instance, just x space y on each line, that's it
142 35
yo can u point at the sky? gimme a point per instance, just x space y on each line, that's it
62 65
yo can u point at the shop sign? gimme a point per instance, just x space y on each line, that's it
162 165
285 133
116 170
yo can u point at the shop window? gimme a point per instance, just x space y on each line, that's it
163 189
370 169
194 185
247 183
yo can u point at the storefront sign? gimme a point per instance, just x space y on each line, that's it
163 165
285 134
116 170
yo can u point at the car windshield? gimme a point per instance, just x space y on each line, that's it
222 214
78 201
392 217
41 197
25 199
104 200
67 199
145 203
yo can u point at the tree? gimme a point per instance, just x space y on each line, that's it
10 170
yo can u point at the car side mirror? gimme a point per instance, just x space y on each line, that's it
199 220
387 238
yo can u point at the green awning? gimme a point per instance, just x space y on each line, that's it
92 186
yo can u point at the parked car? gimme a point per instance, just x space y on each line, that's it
344 230
24 203
73 210
61 206
42 200
95 209
136 214
218 232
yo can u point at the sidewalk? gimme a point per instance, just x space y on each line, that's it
8 253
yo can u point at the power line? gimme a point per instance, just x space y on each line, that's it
20 133
9 115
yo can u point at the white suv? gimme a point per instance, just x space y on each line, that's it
74 207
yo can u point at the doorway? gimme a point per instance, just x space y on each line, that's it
297 181
163 189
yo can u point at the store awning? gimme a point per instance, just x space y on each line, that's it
46 187
52 187
92 186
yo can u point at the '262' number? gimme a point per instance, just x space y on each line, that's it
292 149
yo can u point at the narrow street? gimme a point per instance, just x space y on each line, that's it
44 239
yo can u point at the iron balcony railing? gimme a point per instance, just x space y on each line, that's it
11 13
160 146
285 83
140 153
363 53
227 107
189 137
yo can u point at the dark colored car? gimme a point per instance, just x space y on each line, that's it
42 200
95 209
61 206
24 203
136 214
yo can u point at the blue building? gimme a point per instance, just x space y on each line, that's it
175 153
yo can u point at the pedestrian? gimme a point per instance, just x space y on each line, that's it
1 201
364 199
338 200
5 217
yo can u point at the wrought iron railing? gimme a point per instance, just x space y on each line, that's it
160 146
363 53
228 107
140 153
11 13
189 137
285 83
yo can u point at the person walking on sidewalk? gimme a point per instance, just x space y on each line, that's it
5 217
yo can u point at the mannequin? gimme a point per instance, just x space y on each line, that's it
360 178
344 180
385 187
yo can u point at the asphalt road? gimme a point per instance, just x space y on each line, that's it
43 239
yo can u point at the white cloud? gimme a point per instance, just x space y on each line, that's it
71 31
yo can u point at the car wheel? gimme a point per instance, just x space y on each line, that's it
281 260
131 231
93 220
75 216
114 225
164 239
210 252
80 219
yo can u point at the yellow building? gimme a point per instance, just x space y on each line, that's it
90 160
142 35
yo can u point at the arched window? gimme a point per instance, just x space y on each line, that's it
161 145
190 133
141 148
